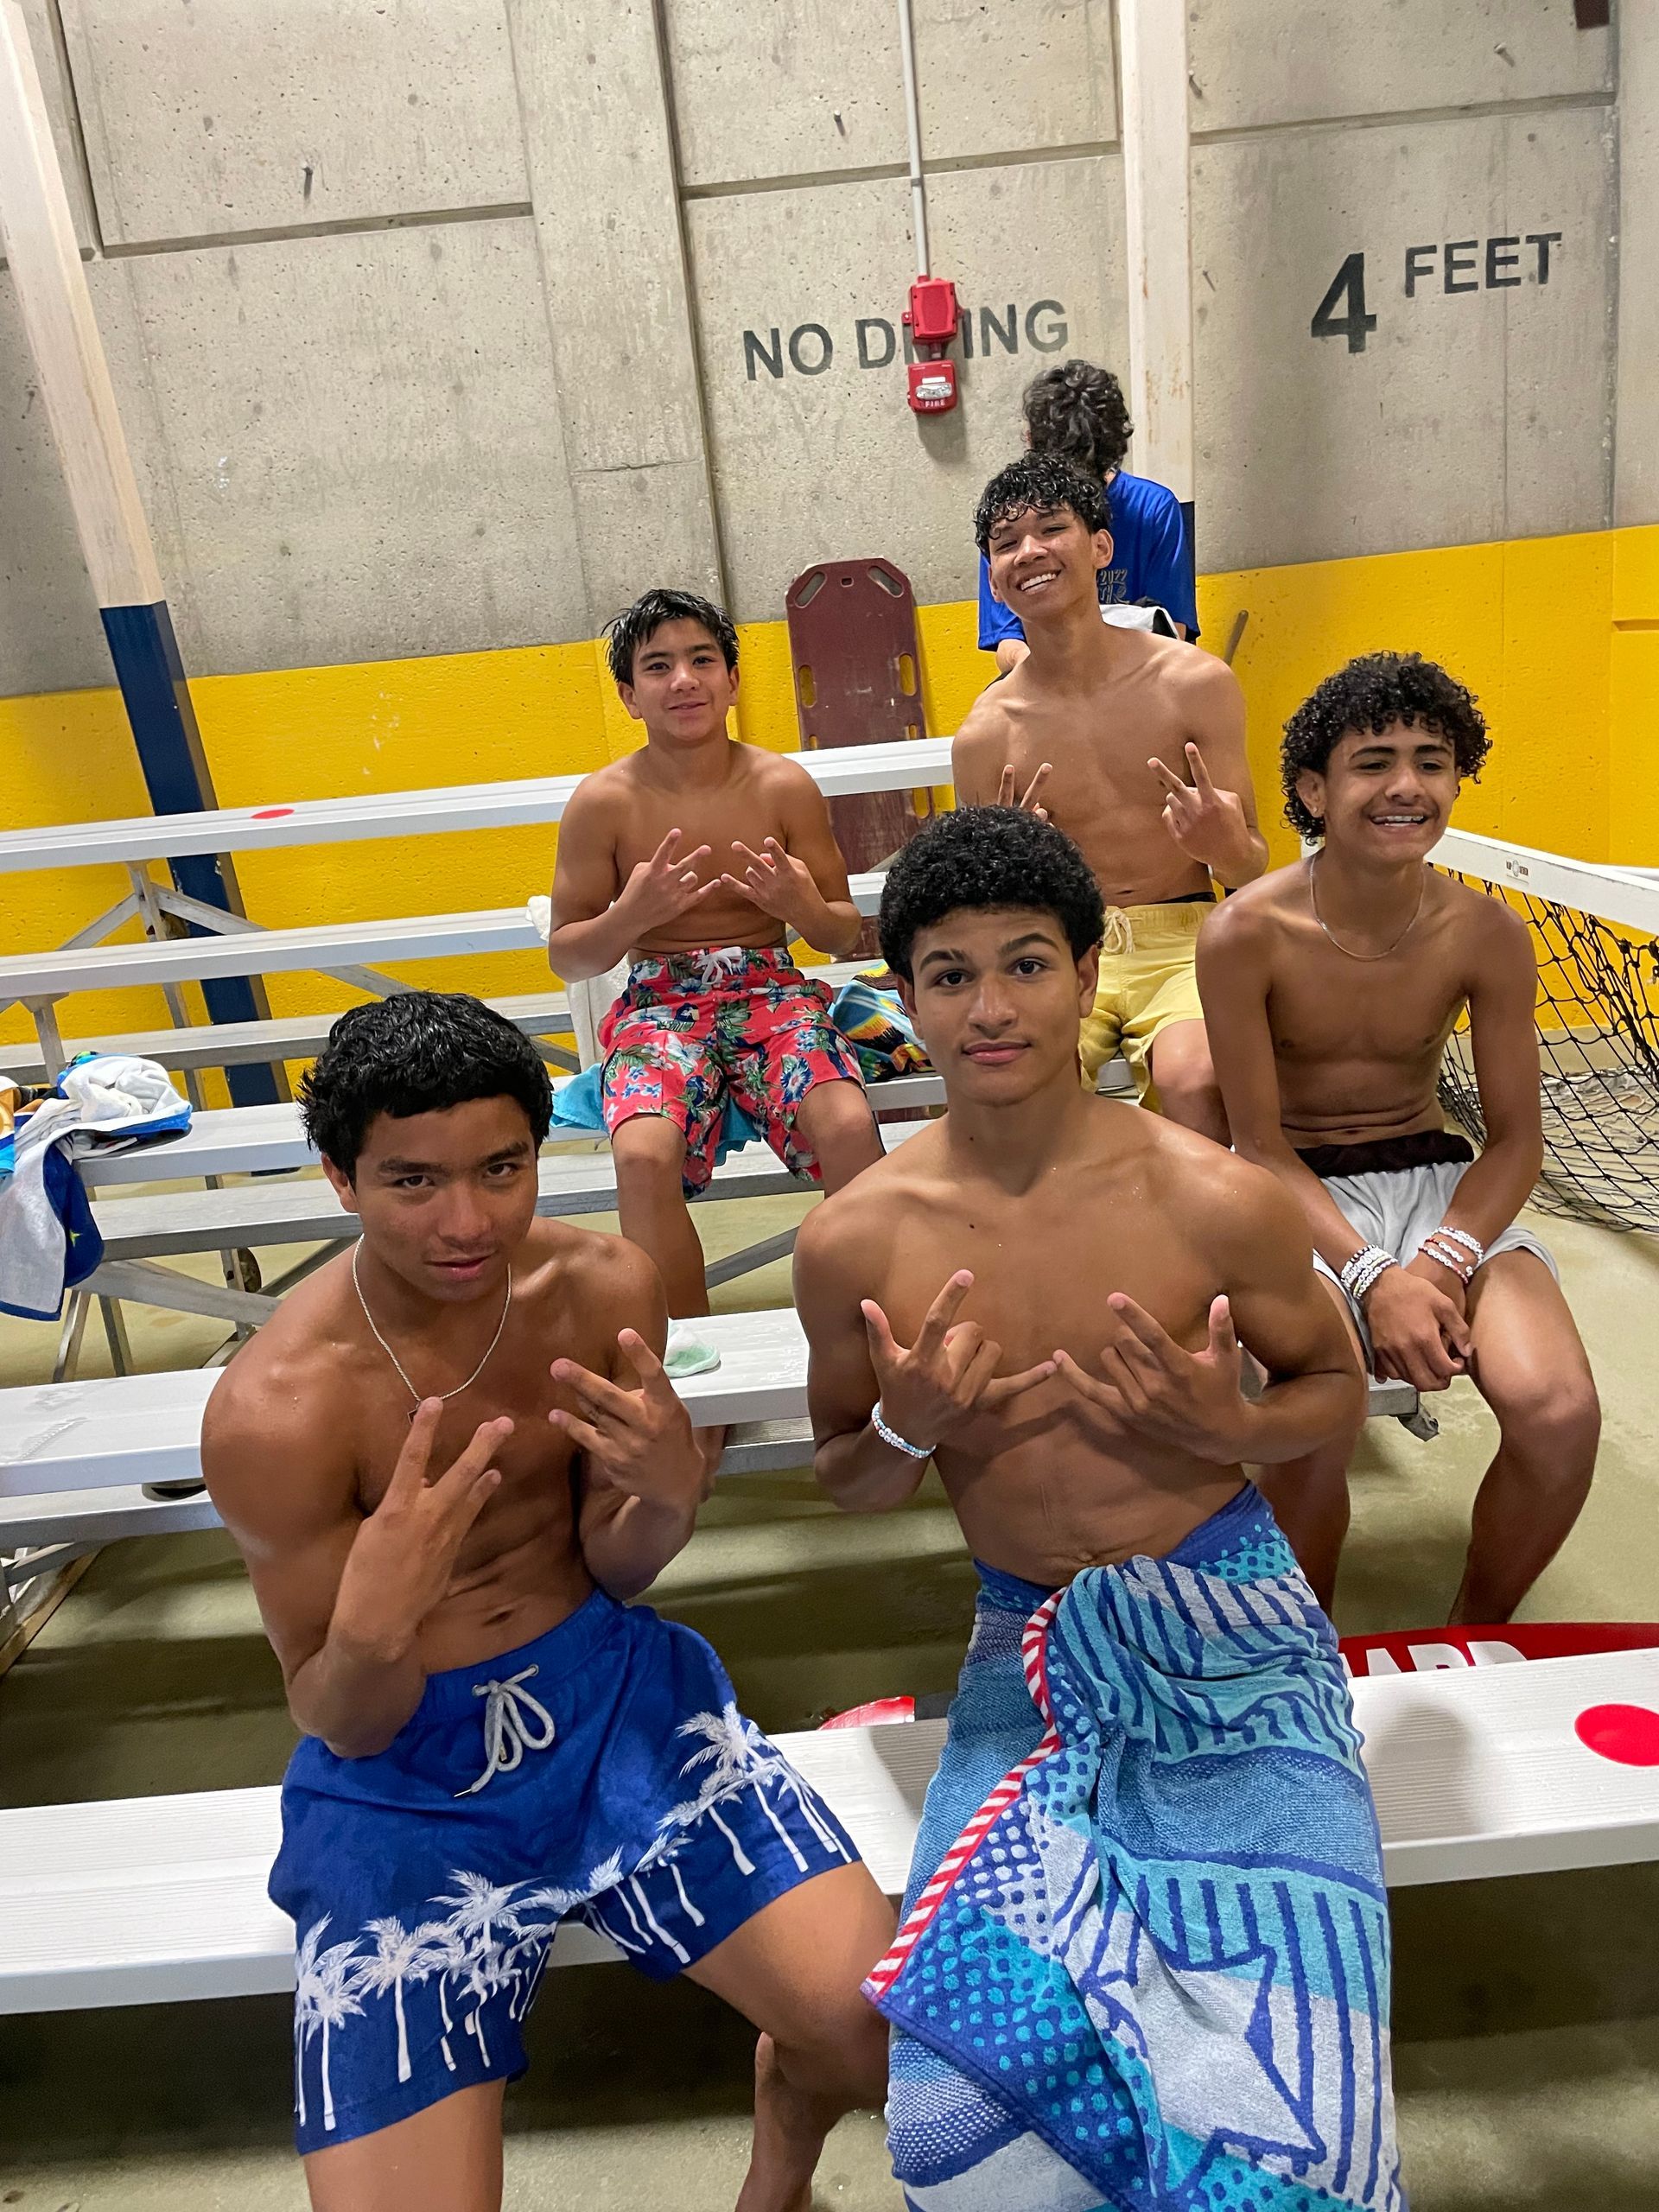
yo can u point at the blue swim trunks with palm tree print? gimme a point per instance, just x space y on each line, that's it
602 1775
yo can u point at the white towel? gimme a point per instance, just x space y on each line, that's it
119 1095
108 1100
592 999
33 1241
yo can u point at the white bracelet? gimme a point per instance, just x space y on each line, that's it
1448 1257
1360 1273
899 1443
1471 1245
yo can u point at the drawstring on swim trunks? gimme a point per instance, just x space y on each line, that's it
717 963
1119 936
507 1735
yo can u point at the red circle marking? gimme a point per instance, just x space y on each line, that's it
271 813
1629 1734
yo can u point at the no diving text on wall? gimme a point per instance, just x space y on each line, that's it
875 343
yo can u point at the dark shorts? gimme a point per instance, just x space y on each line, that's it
602 1774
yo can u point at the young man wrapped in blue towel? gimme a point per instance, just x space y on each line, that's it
1144 1957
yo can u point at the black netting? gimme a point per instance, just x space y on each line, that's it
1599 1064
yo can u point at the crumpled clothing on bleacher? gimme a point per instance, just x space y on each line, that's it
48 1239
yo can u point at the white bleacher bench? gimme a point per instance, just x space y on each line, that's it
33 976
75 1457
290 1037
840 771
1477 1773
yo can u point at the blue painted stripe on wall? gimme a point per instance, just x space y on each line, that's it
157 699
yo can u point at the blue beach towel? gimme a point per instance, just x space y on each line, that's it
1144 1965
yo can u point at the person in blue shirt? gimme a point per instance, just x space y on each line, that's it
1077 413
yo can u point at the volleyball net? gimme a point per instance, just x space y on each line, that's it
1596 930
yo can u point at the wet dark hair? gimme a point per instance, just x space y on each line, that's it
1078 412
1039 483
982 858
635 625
418 1052
1364 698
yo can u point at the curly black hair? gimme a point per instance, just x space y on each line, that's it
1369 694
1041 484
1078 412
635 624
980 859
418 1052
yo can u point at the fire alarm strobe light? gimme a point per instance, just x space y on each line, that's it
932 386
930 319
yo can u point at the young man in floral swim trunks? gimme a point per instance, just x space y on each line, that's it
697 857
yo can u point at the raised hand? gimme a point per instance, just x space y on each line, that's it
639 1439
778 884
1152 1386
403 1556
948 1374
1418 1333
1028 802
1207 824
665 884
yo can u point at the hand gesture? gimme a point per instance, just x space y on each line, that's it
1148 1384
1028 803
1208 825
665 884
403 1556
948 1373
1418 1333
640 1439
779 884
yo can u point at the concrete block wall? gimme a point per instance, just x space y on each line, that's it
442 325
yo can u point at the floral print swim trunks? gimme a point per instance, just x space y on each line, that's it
692 1030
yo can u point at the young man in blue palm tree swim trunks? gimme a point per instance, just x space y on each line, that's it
1144 1959
450 1459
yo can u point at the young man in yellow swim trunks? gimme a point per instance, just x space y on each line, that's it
1090 722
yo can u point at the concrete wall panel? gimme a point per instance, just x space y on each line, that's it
350 446
1297 61
760 89
1480 412
823 459
1001 76
607 222
236 115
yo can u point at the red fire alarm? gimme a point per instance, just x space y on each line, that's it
932 386
931 319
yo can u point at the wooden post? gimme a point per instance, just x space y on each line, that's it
38 234
1151 45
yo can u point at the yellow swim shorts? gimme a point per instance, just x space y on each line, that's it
1148 981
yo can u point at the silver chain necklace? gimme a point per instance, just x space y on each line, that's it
445 1396
1313 898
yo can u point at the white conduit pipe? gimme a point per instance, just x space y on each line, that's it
913 120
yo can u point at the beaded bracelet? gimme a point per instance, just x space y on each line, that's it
1359 1274
1471 1245
1455 1261
899 1443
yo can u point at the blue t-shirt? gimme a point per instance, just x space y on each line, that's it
1149 561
